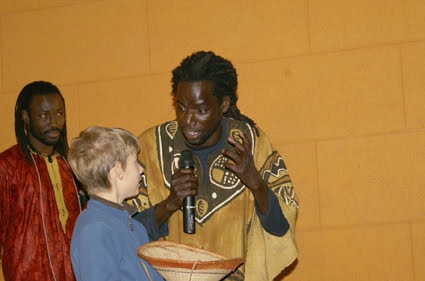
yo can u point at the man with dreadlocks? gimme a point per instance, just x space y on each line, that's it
245 202
39 201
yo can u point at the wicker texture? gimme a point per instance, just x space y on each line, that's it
179 262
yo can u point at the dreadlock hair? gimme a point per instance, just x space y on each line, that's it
207 66
23 102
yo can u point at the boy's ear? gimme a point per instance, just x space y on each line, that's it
118 170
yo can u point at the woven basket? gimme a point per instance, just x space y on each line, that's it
180 262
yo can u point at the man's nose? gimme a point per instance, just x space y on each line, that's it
190 117
53 119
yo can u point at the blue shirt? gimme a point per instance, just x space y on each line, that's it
104 245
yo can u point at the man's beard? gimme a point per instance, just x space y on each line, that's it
43 140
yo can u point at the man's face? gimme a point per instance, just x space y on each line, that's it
199 113
44 121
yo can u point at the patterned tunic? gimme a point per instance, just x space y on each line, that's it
38 208
226 221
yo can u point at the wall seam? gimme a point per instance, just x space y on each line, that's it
412 255
316 170
403 92
148 50
307 13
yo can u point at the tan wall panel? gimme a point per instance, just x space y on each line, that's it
1 70
7 113
70 94
7 6
241 30
348 24
372 180
418 246
58 3
77 43
339 94
133 104
359 253
301 164
416 22
414 83
1 54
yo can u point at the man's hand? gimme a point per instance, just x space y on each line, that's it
184 182
242 164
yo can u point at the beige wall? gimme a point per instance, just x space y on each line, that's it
339 87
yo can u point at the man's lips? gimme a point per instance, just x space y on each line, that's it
53 133
191 133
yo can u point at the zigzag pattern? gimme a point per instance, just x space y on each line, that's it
275 168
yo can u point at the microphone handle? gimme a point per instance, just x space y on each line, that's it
189 215
186 161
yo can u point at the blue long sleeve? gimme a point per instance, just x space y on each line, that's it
274 222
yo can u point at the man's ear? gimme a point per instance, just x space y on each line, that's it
225 103
25 116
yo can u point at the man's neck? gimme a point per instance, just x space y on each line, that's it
39 147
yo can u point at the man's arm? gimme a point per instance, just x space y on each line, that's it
147 218
274 222
266 203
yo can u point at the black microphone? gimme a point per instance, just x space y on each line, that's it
186 161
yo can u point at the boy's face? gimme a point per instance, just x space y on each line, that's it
131 177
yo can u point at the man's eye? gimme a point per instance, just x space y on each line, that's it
59 114
43 116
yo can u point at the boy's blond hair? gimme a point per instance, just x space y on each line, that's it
95 151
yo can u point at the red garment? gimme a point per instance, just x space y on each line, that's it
22 231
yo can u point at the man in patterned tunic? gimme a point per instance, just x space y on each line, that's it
38 196
245 203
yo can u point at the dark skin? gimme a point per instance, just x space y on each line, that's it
199 116
44 122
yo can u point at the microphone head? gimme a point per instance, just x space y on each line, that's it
186 160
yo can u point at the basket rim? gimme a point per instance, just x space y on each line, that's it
222 262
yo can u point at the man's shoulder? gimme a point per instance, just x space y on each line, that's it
169 126
234 124
14 151
11 157
237 124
